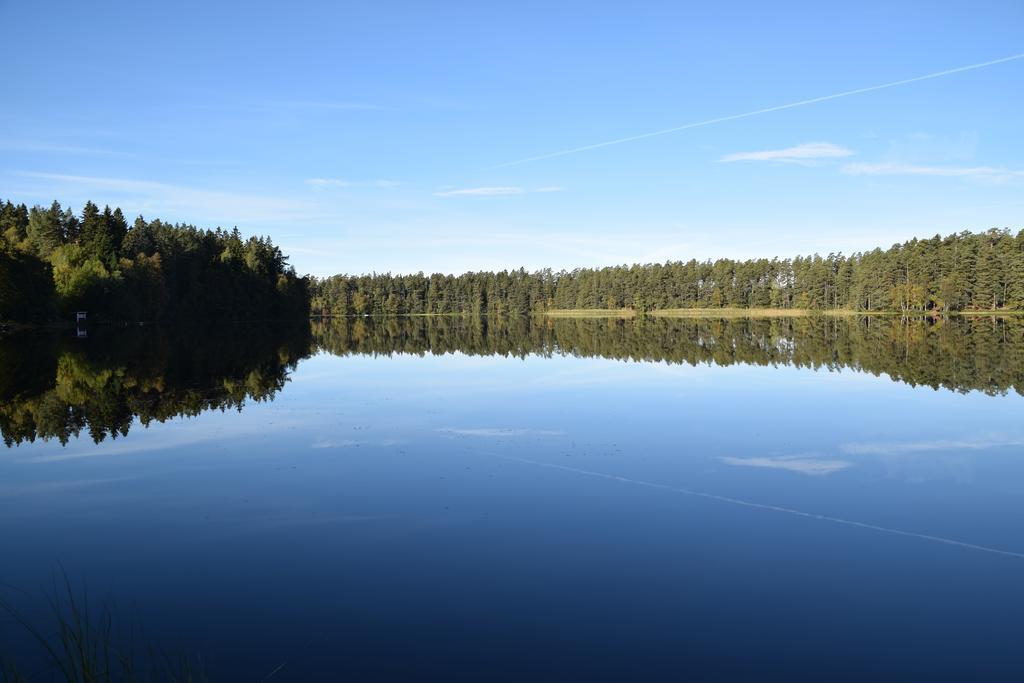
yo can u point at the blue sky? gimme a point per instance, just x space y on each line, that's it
377 136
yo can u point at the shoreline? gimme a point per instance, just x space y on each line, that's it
767 313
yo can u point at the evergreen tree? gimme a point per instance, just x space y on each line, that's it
45 230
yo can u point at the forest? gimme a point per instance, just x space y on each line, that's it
961 272
54 262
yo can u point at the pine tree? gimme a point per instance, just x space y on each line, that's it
91 234
45 230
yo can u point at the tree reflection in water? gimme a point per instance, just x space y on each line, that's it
56 386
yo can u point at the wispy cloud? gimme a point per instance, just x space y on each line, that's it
486 431
498 432
52 148
58 486
321 444
766 507
893 168
328 182
187 202
321 104
806 152
480 192
766 110
901 447
327 443
341 182
494 191
189 434
811 466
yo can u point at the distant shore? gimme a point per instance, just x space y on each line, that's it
756 313
591 313
706 313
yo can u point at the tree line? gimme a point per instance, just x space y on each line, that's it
53 262
959 272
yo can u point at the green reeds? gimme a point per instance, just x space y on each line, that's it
81 644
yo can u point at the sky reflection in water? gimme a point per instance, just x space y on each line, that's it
463 515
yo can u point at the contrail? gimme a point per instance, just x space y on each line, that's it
733 117
764 506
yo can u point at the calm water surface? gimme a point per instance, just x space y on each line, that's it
448 499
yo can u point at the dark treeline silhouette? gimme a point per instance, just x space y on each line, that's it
53 262
982 353
965 271
55 386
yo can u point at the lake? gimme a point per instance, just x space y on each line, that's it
818 498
